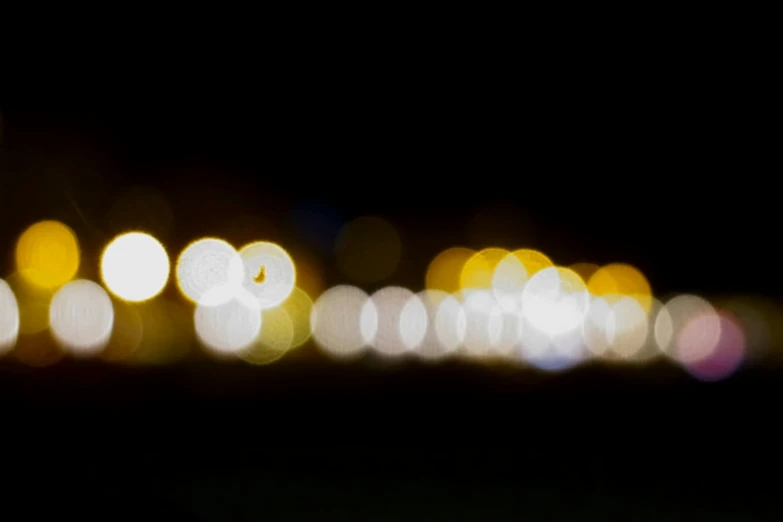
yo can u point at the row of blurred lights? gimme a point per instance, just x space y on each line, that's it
514 307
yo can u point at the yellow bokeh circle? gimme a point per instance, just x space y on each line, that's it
47 254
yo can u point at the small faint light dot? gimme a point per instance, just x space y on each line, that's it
207 264
229 327
269 273
135 267
368 249
47 254
81 317
9 318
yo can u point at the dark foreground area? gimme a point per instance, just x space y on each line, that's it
300 441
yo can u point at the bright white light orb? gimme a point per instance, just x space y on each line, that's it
229 327
81 317
9 318
555 301
135 267
343 322
207 264
269 273
392 336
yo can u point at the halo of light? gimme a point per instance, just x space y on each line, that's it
620 279
439 324
81 317
206 264
478 271
396 332
230 327
135 267
269 275
274 340
727 354
47 254
9 318
550 352
368 249
342 321
671 321
444 271
555 301
299 307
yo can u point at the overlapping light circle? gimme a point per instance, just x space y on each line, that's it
490 305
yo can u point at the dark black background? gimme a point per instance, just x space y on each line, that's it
680 147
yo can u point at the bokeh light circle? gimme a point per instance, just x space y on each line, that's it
617 280
483 323
727 354
135 267
229 327
269 273
444 271
555 300
299 308
478 272
273 341
81 317
342 321
9 318
47 254
207 264
396 332
678 340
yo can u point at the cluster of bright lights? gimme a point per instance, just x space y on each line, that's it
494 305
